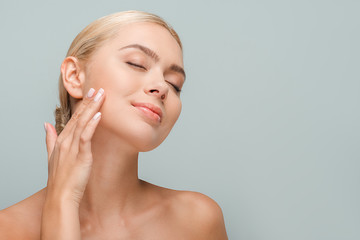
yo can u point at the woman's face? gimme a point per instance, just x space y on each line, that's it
141 71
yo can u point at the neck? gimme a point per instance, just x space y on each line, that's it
114 187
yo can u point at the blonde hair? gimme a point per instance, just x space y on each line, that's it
90 39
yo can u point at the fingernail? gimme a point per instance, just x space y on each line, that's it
99 94
45 127
90 93
97 115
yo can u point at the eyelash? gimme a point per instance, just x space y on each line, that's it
142 67
136 65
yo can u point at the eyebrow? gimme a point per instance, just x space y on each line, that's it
155 57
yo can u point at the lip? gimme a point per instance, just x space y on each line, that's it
150 110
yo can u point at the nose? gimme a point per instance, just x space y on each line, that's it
158 89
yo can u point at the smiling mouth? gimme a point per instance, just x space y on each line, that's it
150 111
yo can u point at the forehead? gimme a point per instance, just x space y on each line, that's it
151 35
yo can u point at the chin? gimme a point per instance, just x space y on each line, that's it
140 135
145 138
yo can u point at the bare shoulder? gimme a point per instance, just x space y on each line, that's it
6 226
22 220
9 225
190 214
195 201
200 214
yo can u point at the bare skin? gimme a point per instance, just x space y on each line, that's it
93 189
170 214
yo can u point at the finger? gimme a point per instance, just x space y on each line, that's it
70 125
51 137
86 136
86 117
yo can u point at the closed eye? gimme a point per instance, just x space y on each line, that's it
136 65
177 89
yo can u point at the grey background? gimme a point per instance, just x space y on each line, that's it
270 121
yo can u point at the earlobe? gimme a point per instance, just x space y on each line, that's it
72 76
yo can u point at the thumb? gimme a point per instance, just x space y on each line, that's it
51 137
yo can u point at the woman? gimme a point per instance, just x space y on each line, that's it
119 91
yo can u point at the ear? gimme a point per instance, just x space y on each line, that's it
73 76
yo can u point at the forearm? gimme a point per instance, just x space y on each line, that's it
60 221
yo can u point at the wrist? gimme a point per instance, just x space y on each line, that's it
60 220
57 198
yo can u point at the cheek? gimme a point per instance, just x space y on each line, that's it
111 75
174 110
179 109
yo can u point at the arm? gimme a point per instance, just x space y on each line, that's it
60 220
211 224
202 216
70 163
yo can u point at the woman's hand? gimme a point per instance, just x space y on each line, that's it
69 154
70 161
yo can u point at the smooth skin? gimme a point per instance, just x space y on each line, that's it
93 190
